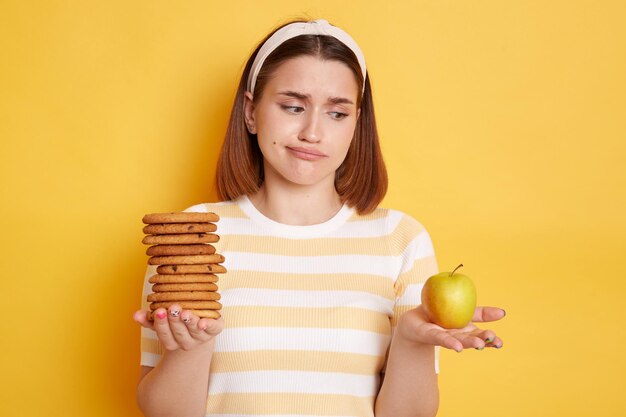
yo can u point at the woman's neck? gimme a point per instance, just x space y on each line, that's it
297 205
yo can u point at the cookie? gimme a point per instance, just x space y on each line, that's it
191 286
170 250
191 269
186 260
180 217
182 279
184 296
181 239
177 228
188 305
211 314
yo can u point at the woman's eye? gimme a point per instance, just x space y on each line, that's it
338 115
293 109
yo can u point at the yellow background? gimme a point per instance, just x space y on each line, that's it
504 129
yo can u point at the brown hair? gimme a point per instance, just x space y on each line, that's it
360 181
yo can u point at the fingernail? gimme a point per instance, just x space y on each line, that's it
459 350
498 347
489 340
175 313
479 348
186 319
161 315
504 311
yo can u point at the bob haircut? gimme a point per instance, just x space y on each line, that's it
360 181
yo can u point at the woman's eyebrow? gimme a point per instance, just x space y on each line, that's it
295 94
301 96
340 100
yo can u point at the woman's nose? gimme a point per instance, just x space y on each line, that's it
311 128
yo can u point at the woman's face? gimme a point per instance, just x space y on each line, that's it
305 120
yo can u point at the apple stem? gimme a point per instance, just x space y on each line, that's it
451 273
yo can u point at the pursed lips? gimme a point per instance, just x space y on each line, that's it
305 153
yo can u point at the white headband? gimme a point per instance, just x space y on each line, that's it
316 27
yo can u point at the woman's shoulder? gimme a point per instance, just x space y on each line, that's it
392 220
389 215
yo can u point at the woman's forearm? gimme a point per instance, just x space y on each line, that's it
409 387
178 385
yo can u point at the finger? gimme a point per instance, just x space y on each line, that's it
470 341
487 335
191 321
496 343
163 331
446 340
212 327
179 328
483 314
141 317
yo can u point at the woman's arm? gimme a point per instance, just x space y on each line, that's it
178 385
410 384
410 388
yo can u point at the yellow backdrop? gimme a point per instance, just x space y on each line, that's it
502 125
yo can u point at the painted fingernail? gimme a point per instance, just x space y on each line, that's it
186 319
489 340
479 348
161 315
504 311
175 313
459 350
498 347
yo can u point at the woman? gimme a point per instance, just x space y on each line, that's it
321 301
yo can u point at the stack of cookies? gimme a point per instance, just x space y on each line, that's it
186 261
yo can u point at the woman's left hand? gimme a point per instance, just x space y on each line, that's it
415 326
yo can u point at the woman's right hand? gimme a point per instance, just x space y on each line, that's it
180 329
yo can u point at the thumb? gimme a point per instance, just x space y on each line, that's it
484 314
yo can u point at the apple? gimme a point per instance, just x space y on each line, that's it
449 299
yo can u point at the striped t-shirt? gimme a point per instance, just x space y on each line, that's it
308 310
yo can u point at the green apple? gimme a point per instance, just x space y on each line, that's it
449 299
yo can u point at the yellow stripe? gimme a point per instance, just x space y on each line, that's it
378 246
286 403
351 363
373 284
329 318
391 244
421 270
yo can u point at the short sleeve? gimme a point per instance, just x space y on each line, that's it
418 264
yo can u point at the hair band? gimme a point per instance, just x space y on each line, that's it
316 27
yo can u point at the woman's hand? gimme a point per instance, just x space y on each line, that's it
180 329
414 326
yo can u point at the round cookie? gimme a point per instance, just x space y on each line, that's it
186 260
171 250
181 239
178 228
182 279
191 269
180 217
191 286
211 314
188 305
184 296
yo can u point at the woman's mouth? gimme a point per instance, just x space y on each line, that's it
306 154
